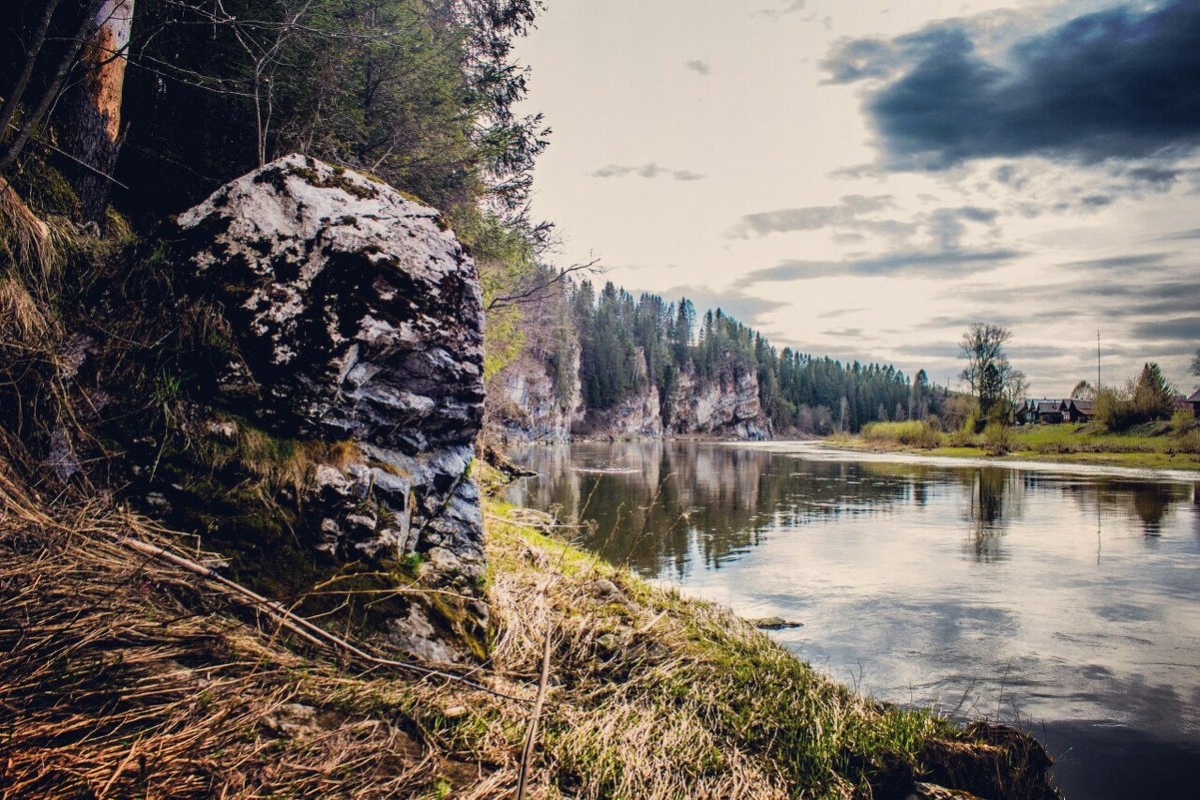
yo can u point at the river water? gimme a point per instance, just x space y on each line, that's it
1065 600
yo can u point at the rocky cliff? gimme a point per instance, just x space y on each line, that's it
347 345
726 405
524 405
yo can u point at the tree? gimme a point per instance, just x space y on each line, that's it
1195 367
1153 397
988 372
1083 391
92 131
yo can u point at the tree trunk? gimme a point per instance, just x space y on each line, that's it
92 114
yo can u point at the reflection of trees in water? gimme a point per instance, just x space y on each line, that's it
1147 502
994 500
677 501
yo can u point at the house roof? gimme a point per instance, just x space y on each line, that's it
1047 406
1084 406
1194 397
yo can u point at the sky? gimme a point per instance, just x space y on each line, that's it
864 180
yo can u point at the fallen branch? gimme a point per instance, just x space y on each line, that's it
534 715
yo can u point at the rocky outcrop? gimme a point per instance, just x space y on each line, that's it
725 405
638 415
353 326
525 406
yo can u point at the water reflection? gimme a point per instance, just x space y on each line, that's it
657 506
1068 600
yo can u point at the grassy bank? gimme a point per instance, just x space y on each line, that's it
127 677
1153 445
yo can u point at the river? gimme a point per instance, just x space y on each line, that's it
1064 600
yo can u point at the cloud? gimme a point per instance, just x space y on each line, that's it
1158 179
650 170
926 263
1122 262
1114 300
844 333
743 307
789 7
700 67
1114 84
1178 329
1095 201
846 214
839 312
1194 233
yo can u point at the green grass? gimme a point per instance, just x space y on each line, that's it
661 696
1154 445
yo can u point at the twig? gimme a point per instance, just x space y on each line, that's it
531 732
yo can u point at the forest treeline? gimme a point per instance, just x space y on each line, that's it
626 344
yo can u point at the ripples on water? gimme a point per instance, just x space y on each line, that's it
1065 599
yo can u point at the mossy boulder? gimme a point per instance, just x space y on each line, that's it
351 323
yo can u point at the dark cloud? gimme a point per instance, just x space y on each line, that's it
1180 328
846 214
946 224
651 170
1115 300
1112 84
1094 201
698 66
935 350
1122 262
934 263
844 333
1158 179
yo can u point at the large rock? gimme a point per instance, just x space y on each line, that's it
355 317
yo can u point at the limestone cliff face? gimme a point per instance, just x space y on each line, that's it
725 405
523 404
355 322
638 415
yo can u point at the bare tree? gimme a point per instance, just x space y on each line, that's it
92 132
84 22
988 372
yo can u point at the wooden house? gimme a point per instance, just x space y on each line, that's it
1045 410
1080 410
1194 399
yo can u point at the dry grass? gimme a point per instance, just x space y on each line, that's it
127 677
36 247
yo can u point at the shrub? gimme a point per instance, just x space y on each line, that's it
1114 410
997 438
1182 421
912 433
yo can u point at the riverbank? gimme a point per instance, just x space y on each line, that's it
1147 446
146 676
